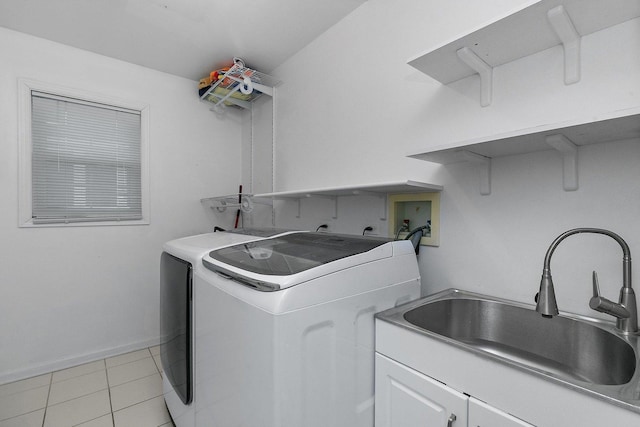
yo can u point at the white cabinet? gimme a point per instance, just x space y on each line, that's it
522 393
483 415
407 398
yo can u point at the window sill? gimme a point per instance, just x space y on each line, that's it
30 224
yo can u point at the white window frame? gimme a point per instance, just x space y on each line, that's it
25 89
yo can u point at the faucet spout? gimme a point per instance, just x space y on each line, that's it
546 299
625 310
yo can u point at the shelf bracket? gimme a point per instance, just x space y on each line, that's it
383 199
485 71
569 160
332 198
299 213
566 32
484 170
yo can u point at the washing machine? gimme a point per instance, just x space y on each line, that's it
284 328
180 259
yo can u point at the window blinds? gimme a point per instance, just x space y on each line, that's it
85 161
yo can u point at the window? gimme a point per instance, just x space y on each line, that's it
83 160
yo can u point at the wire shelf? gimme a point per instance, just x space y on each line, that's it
239 86
244 202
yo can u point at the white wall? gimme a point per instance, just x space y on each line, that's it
74 294
348 112
350 109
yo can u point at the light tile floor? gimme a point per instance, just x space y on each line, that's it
120 391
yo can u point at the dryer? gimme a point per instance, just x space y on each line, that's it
284 328
179 261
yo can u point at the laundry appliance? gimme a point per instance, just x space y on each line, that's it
284 328
180 259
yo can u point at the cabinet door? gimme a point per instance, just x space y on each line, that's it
406 398
483 415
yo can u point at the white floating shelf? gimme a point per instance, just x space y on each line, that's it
378 189
565 137
537 26
520 33
407 186
616 126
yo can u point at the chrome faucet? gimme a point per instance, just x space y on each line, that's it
625 310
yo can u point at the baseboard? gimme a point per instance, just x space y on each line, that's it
45 368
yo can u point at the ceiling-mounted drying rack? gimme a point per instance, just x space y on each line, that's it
239 86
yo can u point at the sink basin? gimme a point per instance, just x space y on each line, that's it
585 354
564 347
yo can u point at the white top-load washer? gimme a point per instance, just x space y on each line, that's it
180 259
284 329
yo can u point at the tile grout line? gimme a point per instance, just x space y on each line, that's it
113 418
136 379
46 403
138 403
143 401
76 375
130 361
104 362
21 391
130 381
21 415
88 394
106 372
80 396
51 381
29 388
156 363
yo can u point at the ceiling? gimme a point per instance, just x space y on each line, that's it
187 38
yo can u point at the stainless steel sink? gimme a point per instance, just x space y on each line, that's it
562 346
581 352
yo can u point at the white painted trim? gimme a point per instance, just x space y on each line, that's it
25 87
57 365
274 141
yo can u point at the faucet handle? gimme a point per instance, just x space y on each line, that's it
603 305
596 286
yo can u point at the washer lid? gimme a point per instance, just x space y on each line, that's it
260 231
288 255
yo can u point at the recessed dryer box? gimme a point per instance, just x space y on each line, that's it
419 209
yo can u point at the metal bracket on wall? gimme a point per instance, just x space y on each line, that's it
333 198
563 27
569 160
383 198
485 71
483 165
